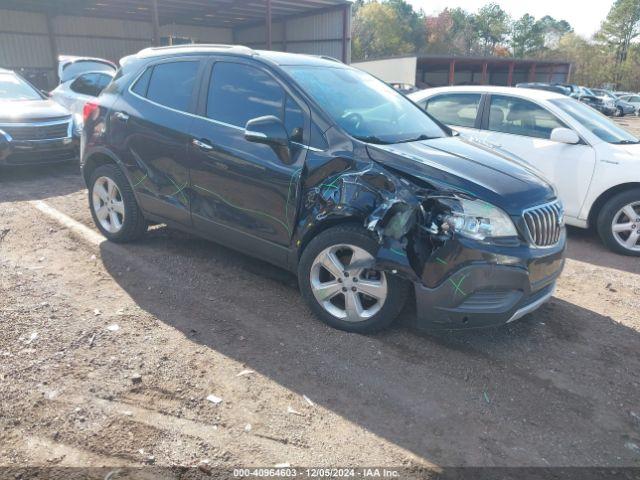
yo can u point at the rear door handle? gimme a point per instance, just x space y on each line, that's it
123 117
203 145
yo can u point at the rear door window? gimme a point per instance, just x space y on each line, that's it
518 116
459 109
171 84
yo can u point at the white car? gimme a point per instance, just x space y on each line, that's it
81 80
594 163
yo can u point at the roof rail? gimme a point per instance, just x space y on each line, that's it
231 48
331 59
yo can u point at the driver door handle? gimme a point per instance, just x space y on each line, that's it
203 145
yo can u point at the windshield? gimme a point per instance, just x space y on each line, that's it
365 107
596 123
13 87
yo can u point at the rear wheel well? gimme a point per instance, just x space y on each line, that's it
94 161
604 198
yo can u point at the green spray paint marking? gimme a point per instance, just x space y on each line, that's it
456 286
179 189
141 180
331 185
266 215
397 252
441 261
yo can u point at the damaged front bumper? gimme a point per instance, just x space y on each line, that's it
496 287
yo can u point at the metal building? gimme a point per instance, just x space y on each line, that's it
33 33
436 71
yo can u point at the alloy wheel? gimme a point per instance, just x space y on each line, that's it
344 286
626 226
108 204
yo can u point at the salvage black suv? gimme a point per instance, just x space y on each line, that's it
320 168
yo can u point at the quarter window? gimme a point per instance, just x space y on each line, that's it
239 93
460 109
171 84
142 84
521 117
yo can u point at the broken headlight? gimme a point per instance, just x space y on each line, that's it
476 219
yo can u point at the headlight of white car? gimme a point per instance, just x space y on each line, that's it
477 219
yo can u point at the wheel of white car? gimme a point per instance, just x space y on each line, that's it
619 223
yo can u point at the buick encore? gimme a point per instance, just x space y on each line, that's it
322 169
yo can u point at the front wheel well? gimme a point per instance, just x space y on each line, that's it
326 225
604 198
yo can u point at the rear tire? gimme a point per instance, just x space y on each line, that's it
113 205
618 229
336 294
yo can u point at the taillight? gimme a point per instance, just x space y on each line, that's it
88 110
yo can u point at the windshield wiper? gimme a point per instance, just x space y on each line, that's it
627 142
371 139
416 139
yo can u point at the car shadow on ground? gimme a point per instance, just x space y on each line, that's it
585 246
552 389
38 182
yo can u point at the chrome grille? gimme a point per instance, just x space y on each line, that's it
24 132
544 224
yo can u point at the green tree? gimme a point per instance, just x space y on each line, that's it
452 31
378 31
527 36
553 30
493 25
465 31
618 30
413 23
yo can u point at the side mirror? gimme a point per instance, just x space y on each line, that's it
269 130
564 135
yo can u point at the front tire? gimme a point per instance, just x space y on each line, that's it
343 295
113 205
619 223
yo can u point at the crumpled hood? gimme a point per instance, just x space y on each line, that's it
456 163
20 111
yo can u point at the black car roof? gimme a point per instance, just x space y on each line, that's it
278 58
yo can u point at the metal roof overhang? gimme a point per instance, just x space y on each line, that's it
206 13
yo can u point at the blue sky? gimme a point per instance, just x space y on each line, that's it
584 16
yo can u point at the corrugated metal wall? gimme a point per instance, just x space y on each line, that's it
319 34
24 40
25 46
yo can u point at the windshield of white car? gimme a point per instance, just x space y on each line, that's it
13 88
595 122
365 107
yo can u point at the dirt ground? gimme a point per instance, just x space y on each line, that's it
109 352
